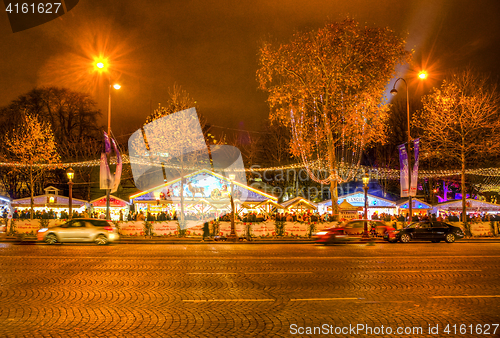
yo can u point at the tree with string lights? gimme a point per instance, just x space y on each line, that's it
31 144
176 138
460 123
327 85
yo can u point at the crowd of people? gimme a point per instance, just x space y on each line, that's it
306 216
442 217
44 214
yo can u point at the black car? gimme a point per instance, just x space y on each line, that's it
426 231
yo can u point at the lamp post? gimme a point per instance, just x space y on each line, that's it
101 65
232 236
366 180
70 173
108 191
422 75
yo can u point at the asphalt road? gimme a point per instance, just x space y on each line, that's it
224 290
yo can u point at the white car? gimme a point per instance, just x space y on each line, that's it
84 230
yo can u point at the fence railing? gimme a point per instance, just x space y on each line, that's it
195 228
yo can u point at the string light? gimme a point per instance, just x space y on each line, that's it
490 182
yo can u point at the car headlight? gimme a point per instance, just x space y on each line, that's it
43 230
321 233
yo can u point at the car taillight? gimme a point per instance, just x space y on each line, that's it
108 228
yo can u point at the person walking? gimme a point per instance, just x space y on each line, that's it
206 231
141 217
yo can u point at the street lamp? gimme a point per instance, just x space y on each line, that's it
108 191
366 180
102 66
422 75
115 86
70 173
232 236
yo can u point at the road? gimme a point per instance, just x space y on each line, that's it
248 290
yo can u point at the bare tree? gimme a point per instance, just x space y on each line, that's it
460 122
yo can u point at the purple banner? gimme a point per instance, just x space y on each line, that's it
118 172
105 177
107 145
108 181
414 173
403 164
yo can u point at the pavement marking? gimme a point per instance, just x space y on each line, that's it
246 273
320 299
395 271
492 296
226 300
265 272
212 273
239 257
327 299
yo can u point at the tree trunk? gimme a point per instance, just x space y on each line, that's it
464 196
333 180
32 202
335 198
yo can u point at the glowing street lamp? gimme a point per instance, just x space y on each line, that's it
108 191
422 75
101 64
70 173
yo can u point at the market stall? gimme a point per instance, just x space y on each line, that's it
5 206
376 204
419 207
116 205
205 194
269 207
299 205
472 207
50 203
348 211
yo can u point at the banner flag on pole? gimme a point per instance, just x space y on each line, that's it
107 145
403 164
414 174
108 181
105 177
118 172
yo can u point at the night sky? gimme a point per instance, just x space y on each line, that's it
210 49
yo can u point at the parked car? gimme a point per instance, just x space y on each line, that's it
98 231
426 231
351 228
